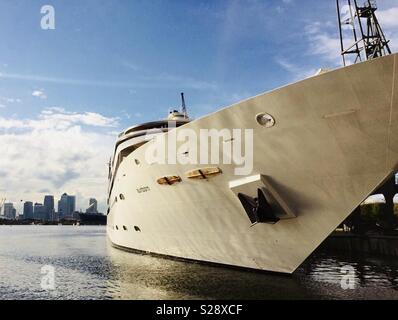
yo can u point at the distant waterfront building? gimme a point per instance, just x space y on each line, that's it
93 206
49 207
28 210
66 206
39 211
9 211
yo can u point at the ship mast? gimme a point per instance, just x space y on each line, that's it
359 22
183 107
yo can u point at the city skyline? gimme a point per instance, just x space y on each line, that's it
46 210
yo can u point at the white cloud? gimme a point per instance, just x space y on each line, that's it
130 66
179 81
39 94
299 73
58 116
151 81
389 18
56 152
10 100
281 9
323 42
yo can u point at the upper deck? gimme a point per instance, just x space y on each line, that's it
136 136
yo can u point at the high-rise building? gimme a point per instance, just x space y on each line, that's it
66 206
93 206
62 206
39 211
28 210
9 211
49 207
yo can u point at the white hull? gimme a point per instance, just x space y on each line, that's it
335 141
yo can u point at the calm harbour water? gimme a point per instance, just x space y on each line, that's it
87 267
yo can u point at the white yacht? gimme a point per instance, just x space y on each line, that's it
321 146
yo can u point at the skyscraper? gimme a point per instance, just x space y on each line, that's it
49 207
71 204
39 211
93 206
9 211
66 206
28 210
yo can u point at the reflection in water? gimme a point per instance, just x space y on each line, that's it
87 267
143 276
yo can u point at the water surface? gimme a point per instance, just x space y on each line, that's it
87 267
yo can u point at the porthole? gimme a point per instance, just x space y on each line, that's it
117 228
137 162
124 228
121 196
137 229
265 120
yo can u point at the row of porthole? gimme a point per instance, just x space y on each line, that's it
136 228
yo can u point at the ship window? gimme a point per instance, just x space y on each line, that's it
122 197
117 228
137 162
137 229
125 153
124 228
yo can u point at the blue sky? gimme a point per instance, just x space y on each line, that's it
111 64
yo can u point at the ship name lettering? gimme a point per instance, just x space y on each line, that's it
143 189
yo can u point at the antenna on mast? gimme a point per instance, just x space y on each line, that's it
183 107
369 39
